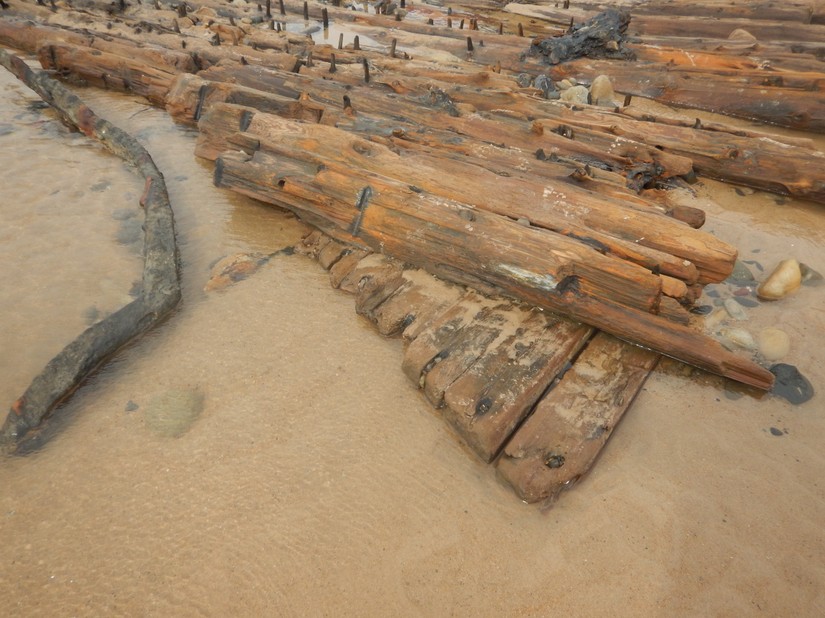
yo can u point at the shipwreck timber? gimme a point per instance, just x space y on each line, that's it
437 146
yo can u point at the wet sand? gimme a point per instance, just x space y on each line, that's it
317 481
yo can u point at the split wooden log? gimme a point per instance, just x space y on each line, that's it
762 162
186 98
105 70
560 441
435 110
160 292
613 228
772 104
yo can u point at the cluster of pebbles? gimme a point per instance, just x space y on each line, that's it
570 91
727 311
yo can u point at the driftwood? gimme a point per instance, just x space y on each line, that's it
160 292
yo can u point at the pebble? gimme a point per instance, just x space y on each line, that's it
741 34
784 279
601 91
131 406
746 302
575 94
741 274
790 384
564 84
774 344
523 79
715 319
735 310
171 414
702 309
545 84
737 337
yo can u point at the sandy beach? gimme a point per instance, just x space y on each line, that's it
317 481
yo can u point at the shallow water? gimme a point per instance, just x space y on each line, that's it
317 481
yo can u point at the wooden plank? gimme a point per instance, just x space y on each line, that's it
560 441
452 342
496 392
414 304
344 267
331 253
372 266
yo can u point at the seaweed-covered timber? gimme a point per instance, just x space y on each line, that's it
446 153
160 291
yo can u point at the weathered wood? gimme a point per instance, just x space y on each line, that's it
411 224
772 104
369 268
416 302
616 228
160 291
761 162
488 401
394 222
560 441
343 267
105 70
190 96
445 337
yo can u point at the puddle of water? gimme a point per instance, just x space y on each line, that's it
316 479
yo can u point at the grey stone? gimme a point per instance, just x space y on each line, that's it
791 384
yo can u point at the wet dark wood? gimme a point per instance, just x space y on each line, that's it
160 292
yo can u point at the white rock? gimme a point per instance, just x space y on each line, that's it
575 95
774 344
715 319
784 279
601 91
737 337
735 310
